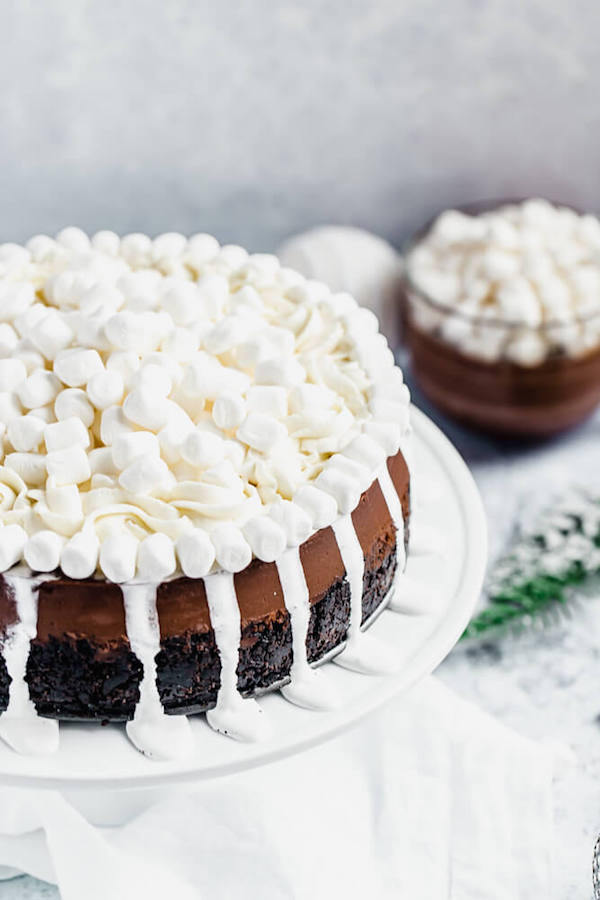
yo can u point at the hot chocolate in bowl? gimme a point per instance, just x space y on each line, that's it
499 375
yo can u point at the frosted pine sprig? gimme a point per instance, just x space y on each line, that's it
560 551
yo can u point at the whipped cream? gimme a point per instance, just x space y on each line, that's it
519 282
172 405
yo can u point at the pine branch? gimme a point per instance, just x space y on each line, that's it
537 579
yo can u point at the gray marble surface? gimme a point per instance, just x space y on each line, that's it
544 682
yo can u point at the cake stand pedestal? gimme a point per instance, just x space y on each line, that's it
98 771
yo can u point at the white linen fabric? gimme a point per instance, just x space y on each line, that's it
428 799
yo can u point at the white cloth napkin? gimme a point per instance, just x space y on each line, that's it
426 800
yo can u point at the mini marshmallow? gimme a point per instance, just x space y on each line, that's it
366 451
38 389
106 242
10 408
153 379
202 248
195 552
29 356
232 550
527 349
232 257
225 335
182 302
202 449
145 409
51 334
126 363
166 363
12 373
146 475
205 377
343 489
8 339
213 290
101 461
26 433
309 396
247 299
74 403
118 555
319 506
105 388
229 411
284 372
45 413
74 239
67 433
42 551
42 248
31 467
174 433
261 432
68 466
168 245
136 249
156 558
76 367
124 331
127 447
113 423
65 500
269 400
267 538
12 543
295 522
181 344
79 556
15 299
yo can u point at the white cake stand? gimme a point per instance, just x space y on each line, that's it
108 780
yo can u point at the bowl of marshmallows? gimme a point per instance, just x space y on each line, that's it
503 315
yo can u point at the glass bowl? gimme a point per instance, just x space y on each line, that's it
498 376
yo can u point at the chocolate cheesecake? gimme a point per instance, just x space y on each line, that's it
203 493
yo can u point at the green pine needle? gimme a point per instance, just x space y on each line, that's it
537 579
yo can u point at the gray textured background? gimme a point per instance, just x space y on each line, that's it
255 118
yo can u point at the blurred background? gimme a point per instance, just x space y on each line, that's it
256 119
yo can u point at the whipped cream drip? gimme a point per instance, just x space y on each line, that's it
175 387
153 732
518 282
306 687
20 726
236 716
362 653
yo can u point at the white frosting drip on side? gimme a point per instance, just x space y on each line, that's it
20 725
392 500
362 653
233 715
307 687
153 732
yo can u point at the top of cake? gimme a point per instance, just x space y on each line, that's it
173 405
